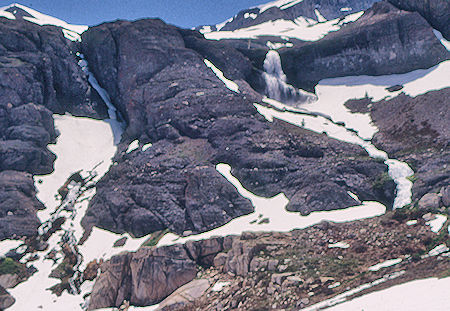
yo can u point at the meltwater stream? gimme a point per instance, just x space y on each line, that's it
322 121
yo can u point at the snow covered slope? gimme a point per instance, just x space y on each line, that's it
307 20
18 11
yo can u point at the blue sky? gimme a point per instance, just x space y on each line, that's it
184 13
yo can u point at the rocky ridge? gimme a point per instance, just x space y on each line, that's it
262 271
194 123
39 76
383 41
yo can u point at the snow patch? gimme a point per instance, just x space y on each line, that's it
133 146
273 209
232 86
219 286
278 45
146 146
250 15
7 14
319 16
71 32
440 249
84 145
7 245
339 245
282 4
437 223
385 264
411 222
443 41
100 243
427 294
301 28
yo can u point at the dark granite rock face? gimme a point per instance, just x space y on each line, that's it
143 278
39 76
18 205
436 12
384 40
158 79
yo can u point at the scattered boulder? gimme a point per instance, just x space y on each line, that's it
184 295
429 201
445 196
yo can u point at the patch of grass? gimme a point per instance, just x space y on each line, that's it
9 266
412 178
381 180
155 237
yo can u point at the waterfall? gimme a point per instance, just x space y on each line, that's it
276 85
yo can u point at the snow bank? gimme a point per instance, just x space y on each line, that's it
276 217
71 32
385 264
343 297
427 294
437 223
301 28
219 286
339 245
7 245
232 86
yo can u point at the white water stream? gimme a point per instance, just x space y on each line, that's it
88 145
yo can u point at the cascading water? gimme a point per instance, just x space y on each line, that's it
278 89
276 85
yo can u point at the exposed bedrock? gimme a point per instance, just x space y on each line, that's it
415 130
436 12
383 41
157 77
18 205
39 76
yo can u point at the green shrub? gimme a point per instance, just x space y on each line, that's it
9 266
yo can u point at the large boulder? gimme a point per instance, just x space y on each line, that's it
436 12
156 76
142 278
18 205
385 40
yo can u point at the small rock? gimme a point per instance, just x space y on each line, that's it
429 201
121 242
445 196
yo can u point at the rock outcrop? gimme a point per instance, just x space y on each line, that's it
436 12
18 205
416 131
264 269
385 40
142 278
6 300
39 75
169 97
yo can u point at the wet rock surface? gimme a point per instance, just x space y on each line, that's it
171 99
382 41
